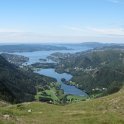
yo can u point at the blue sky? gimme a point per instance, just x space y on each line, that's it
73 21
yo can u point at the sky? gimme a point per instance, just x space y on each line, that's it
61 21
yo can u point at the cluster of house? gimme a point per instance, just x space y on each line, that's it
99 89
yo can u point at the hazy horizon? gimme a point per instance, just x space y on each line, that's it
57 43
61 21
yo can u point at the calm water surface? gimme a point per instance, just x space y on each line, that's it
67 88
35 56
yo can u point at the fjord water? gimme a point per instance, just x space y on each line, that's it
67 88
35 56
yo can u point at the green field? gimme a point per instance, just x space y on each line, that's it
105 110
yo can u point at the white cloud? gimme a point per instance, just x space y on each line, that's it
9 30
94 31
74 34
73 28
114 1
108 31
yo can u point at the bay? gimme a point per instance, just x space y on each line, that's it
50 72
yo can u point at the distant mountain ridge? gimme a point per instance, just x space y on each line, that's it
29 48
98 44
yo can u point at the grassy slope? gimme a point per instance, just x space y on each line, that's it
106 110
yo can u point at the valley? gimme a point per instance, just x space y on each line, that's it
79 83
62 62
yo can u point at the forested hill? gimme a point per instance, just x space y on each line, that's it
94 70
17 85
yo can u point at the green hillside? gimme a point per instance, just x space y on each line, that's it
105 110
18 85
102 69
93 70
